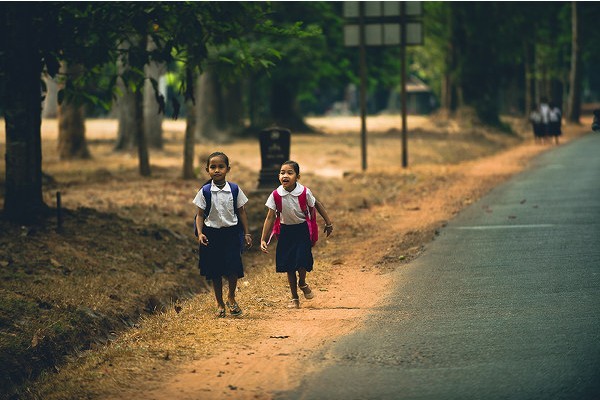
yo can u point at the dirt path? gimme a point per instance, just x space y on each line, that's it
383 219
283 351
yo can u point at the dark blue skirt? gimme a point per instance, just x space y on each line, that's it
554 129
223 255
294 250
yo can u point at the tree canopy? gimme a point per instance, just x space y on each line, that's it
36 37
490 56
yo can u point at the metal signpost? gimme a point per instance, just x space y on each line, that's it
382 23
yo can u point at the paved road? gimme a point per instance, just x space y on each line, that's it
502 305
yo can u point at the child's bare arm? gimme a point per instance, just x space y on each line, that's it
244 221
199 225
328 224
266 231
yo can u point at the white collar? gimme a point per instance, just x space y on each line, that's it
296 192
215 188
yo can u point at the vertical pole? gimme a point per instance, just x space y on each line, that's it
363 86
403 81
59 219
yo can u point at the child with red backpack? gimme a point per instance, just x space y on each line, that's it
292 218
221 226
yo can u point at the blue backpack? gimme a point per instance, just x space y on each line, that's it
235 189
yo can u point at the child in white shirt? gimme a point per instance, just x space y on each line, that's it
294 253
219 232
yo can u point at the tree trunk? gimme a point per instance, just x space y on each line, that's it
71 132
152 117
284 109
233 108
125 105
219 109
206 108
71 123
23 201
574 105
133 114
189 142
144 160
126 114
478 88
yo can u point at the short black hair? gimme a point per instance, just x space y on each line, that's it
294 165
218 154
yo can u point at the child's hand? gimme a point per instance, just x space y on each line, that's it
248 239
328 229
263 246
203 239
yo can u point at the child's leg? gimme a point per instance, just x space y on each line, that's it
234 309
218 288
293 283
232 280
308 294
301 277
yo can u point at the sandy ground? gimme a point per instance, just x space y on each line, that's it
289 341
383 219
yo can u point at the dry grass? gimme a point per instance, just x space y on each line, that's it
127 249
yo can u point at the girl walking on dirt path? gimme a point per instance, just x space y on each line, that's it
220 213
293 253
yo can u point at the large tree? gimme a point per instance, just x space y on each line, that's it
22 60
71 122
315 61
218 107
35 37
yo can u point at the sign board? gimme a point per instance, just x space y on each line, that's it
376 9
383 20
382 23
384 34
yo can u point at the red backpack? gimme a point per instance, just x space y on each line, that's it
309 212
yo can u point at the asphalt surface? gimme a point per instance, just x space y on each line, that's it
502 305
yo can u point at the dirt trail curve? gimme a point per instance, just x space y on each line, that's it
282 353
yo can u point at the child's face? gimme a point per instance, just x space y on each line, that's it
217 169
288 177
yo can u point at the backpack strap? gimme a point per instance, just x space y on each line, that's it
277 198
302 201
311 217
309 212
277 224
235 190
207 196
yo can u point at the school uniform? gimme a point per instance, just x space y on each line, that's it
554 123
294 249
222 256
536 121
545 112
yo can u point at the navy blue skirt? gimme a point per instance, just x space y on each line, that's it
294 250
554 129
223 255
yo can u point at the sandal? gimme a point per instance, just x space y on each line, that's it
221 313
308 294
234 309
294 303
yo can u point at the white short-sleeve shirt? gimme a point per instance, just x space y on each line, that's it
222 214
291 214
545 111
